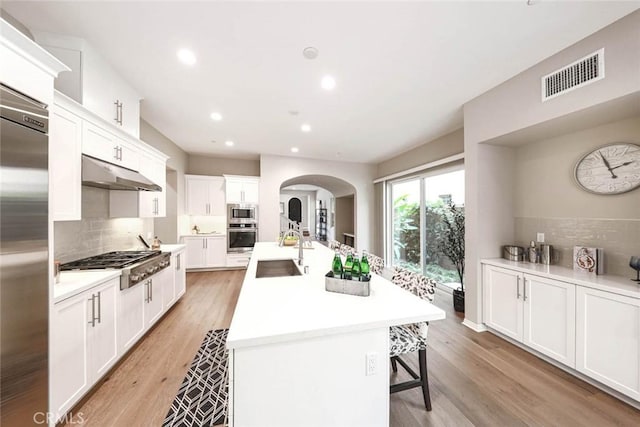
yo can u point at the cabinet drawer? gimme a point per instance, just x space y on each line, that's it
238 261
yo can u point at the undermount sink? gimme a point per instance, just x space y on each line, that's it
277 268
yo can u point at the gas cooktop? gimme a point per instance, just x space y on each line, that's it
117 259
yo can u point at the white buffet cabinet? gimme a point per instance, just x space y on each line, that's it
298 353
590 324
93 324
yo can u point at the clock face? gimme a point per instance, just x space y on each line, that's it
612 169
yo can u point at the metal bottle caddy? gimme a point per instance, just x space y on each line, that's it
346 286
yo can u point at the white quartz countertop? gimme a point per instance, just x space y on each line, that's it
617 284
74 282
172 248
288 308
212 234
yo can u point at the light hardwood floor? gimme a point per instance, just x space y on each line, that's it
476 379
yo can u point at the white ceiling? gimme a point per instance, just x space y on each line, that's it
403 70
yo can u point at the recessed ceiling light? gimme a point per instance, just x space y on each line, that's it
294 149
216 116
305 128
187 57
310 52
328 83
228 143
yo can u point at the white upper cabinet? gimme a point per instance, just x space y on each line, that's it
102 144
242 189
65 146
143 204
93 82
205 195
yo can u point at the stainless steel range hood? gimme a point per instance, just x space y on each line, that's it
98 173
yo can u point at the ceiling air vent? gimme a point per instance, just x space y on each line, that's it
577 74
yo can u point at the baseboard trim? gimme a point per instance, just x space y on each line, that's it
474 326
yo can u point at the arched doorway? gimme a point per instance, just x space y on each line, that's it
328 208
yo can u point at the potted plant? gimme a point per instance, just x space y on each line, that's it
452 245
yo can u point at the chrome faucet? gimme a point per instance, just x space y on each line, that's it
300 243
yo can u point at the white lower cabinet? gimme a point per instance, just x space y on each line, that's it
503 305
608 339
84 344
153 304
131 324
206 252
549 318
177 261
535 311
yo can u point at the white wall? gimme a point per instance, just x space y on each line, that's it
513 106
274 170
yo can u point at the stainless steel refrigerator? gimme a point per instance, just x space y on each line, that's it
24 259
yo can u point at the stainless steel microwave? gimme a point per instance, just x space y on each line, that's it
242 213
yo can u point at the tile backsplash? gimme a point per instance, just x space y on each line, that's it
96 233
620 239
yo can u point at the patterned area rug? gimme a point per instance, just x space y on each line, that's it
202 398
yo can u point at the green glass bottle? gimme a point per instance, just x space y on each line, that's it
348 265
355 270
364 266
336 267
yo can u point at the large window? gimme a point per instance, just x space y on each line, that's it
417 206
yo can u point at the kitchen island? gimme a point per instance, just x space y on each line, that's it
302 356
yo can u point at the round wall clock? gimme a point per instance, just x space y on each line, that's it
611 169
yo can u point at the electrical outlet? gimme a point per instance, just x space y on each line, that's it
372 364
540 238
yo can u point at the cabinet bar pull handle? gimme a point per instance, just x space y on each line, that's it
99 307
178 262
146 290
120 109
116 103
93 311
151 290
518 289
115 152
524 294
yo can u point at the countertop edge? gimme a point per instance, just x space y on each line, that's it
80 288
314 333
608 283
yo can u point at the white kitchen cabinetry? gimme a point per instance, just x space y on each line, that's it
169 289
242 189
153 203
608 339
65 149
503 306
238 260
102 144
177 261
205 251
131 324
205 195
143 204
153 304
536 311
549 318
83 330
93 82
